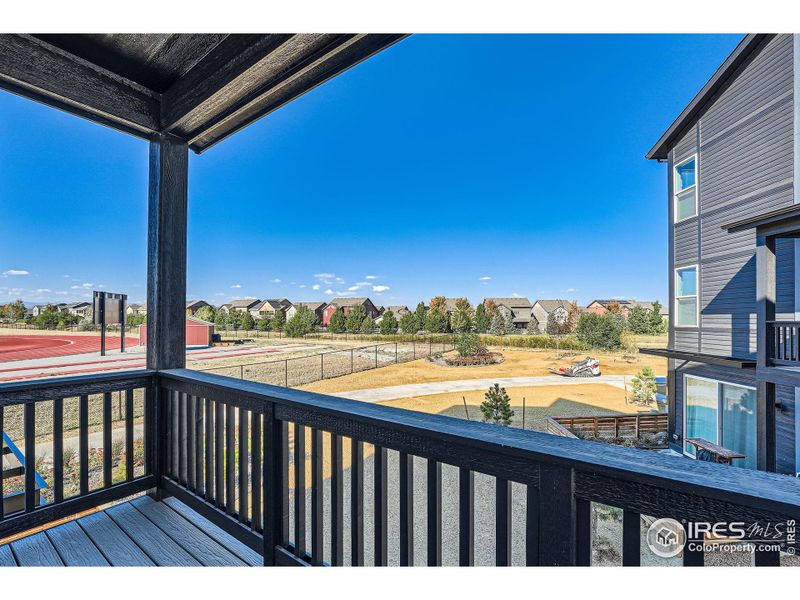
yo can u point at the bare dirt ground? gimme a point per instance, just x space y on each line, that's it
517 363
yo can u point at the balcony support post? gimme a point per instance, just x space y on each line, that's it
765 308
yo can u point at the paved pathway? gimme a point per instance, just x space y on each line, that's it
463 385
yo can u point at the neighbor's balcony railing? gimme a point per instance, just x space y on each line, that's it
783 343
236 452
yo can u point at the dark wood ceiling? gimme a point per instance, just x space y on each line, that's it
200 88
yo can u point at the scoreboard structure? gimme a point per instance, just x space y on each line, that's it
109 309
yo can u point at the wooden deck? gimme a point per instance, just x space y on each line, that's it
141 532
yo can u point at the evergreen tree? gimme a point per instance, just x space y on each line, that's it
234 319
367 325
533 326
388 323
302 323
420 312
337 321
497 326
658 324
497 406
278 321
436 321
644 386
600 331
463 316
354 319
263 323
508 323
408 323
247 321
219 319
639 320
482 322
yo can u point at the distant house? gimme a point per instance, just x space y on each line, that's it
192 306
397 311
80 309
518 308
244 305
268 308
542 309
317 308
136 309
41 308
600 307
347 304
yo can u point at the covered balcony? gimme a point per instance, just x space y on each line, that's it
239 472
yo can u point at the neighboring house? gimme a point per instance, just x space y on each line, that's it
244 305
192 306
40 308
347 304
315 307
520 309
397 311
80 309
600 307
225 307
136 309
450 305
734 202
542 309
268 308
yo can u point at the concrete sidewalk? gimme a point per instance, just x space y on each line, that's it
442 387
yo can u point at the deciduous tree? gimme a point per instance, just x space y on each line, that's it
388 323
408 323
463 316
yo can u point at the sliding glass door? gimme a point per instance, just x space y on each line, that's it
721 413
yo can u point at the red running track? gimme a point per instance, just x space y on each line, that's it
24 347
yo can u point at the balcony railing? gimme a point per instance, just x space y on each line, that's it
783 343
236 452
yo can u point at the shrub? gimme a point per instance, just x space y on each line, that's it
497 406
600 331
469 344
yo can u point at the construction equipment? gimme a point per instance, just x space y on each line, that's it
590 367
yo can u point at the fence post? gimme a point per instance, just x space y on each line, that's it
414 345
321 366
286 372
352 363
241 371
430 345
396 356
376 356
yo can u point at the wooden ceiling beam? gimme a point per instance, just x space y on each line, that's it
35 69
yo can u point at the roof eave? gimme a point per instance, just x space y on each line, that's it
740 54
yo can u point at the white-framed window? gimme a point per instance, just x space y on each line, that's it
722 413
685 187
686 297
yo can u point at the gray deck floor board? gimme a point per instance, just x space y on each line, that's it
74 546
140 532
116 546
207 551
162 549
7 557
36 551
244 552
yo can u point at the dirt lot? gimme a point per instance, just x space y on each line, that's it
540 402
517 363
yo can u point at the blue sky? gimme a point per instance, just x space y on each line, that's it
456 165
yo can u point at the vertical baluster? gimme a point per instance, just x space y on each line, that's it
434 513
244 461
502 522
190 442
381 516
129 449
198 445
2 454
283 456
30 456
175 432
255 467
583 532
631 538
337 502
107 439
182 450
532 526
274 484
466 517
219 455
58 450
230 459
406 510
166 413
317 537
209 451
83 443
299 490
357 504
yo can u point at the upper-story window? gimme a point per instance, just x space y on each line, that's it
686 297
686 189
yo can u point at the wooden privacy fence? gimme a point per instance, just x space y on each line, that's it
279 469
633 426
